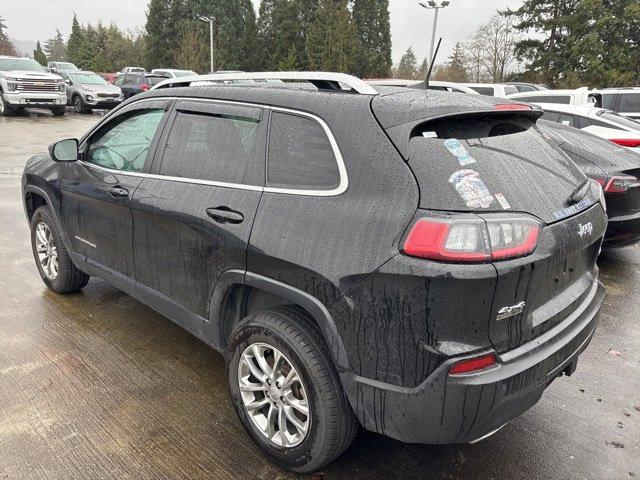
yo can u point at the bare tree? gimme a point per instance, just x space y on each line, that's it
475 52
499 39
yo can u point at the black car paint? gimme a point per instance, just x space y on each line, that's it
596 156
393 324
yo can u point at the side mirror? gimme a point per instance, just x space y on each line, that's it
64 150
54 70
68 82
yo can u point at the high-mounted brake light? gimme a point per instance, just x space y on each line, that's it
512 106
469 240
616 183
627 142
473 365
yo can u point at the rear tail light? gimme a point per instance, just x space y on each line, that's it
470 240
627 142
616 183
145 87
473 365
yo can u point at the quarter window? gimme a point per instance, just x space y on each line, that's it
211 147
124 143
300 154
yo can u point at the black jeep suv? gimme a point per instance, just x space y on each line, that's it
419 263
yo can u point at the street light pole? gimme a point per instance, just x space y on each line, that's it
210 20
433 5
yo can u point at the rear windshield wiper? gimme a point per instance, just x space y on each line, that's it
579 193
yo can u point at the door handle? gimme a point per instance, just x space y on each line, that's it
225 215
118 192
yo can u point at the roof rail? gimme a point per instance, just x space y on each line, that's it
321 80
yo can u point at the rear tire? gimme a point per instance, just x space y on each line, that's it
330 423
58 273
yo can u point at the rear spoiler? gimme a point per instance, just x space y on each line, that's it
401 134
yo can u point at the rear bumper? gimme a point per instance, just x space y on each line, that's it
623 230
446 409
35 99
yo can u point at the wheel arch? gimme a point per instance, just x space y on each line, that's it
239 294
33 193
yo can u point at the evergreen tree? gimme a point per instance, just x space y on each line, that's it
77 45
55 48
330 37
456 70
6 47
39 56
159 34
371 22
282 28
407 69
192 53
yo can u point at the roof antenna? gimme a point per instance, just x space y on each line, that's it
433 61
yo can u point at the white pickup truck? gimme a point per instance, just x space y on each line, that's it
24 83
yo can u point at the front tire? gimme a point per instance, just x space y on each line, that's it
52 259
5 108
286 391
58 111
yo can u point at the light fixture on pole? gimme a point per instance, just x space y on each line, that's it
433 5
210 20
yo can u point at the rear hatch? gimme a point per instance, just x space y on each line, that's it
496 164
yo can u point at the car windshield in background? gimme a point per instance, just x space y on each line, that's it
25 64
154 80
138 70
619 119
488 91
510 90
184 73
88 79
65 66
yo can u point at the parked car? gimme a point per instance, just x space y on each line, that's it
492 89
57 67
617 169
173 73
598 121
424 265
526 87
579 96
625 101
86 91
127 70
133 83
445 87
25 84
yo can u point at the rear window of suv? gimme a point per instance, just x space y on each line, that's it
491 162
630 102
300 154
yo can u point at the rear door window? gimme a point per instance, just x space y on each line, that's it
608 100
629 102
218 143
491 163
300 154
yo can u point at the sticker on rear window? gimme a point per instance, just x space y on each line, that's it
502 201
429 134
573 209
457 149
471 188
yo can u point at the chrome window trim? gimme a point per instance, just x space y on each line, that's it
341 188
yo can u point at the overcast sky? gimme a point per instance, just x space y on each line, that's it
410 24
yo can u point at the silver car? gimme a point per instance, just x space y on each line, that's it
87 90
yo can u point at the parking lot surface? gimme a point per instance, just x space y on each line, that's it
95 385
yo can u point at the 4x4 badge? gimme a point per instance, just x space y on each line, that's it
507 312
586 229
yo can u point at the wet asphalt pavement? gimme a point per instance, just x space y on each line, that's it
95 385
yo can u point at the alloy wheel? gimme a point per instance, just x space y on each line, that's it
47 251
273 395
77 104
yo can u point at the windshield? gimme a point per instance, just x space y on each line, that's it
619 119
26 64
138 70
66 66
88 79
183 73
